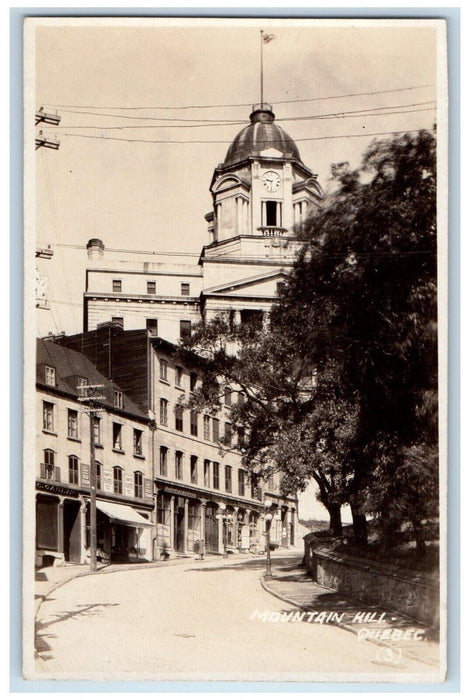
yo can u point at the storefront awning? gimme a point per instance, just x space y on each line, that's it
120 513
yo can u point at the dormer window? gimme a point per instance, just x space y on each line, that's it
118 399
50 376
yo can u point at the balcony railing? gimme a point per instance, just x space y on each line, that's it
49 472
272 231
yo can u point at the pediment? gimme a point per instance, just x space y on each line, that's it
261 285
228 182
271 153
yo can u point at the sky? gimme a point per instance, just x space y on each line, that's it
143 105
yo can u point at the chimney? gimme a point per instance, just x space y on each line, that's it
95 248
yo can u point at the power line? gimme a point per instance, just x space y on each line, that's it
271 142
371 112
249 104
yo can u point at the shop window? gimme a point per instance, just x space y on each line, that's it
179 418
48 416
72 424
215 430
207 427
73 469
138 485
151 325
193 469
178 465
185 289
193 416
118 399
117 286
164 461
185 329
207 473
215 475
138 442
228 479
151 287
163 412
49 375
164 370
117 436
241 482
117 479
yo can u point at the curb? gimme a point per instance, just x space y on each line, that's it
344 626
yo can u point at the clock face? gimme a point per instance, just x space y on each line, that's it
271 181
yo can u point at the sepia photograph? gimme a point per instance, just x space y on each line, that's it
235 392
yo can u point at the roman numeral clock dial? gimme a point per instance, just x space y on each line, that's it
271 181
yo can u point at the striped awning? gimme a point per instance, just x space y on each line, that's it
117 512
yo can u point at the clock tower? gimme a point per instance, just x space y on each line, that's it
262 188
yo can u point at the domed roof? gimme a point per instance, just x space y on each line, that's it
262 133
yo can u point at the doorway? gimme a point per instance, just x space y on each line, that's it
72 537
212 528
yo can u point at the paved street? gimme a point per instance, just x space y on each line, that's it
195 621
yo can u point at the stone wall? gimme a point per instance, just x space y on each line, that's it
409 593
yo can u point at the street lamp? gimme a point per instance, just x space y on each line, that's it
226 519
268 518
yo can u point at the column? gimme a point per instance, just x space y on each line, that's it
221 534
83 533
235 526
203 523
292 535
237 318
172 522
185 525
60 528
239 205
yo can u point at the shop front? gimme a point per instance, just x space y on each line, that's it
123 534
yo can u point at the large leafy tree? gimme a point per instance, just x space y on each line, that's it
342 384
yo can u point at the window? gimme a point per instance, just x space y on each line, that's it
179 418
228 479
192 381
151 287
97 430
137 442
207 427
252 318
164 461
118 320
50 376
215 475
185 289
118 399
117 479
185 329
241 438
164 370
81 384
255 490
271 482
273 214
228 434
163 411
179 377
138 485
178 465
241 482
241 398
193 416
280 287
207 473
215 430
193 469
117 436
228 396
48 416
73 469
72 424
151 325
48 469
117 286
98 475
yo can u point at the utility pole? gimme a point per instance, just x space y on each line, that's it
43 117
90 396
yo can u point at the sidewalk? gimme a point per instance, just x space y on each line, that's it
397 634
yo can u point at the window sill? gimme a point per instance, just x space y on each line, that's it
180 388
98 445
118 450
137 456
164 381
73 439
49 432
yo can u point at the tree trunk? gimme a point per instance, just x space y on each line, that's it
359 526
419 539
334 509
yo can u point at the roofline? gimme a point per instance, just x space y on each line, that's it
222 167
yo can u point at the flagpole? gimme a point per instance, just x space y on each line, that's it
261 51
